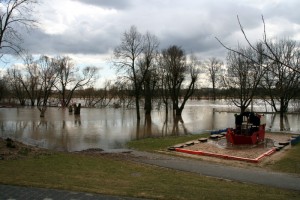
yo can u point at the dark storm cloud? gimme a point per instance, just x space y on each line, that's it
203 44
191 24
39 42
111 4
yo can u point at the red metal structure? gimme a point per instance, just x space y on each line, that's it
250 129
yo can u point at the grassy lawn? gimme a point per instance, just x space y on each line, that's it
107 175
114 176
290 162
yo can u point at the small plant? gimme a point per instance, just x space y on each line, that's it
24 151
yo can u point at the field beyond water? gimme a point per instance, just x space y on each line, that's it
114 174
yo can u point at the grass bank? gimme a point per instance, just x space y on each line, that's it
114 175
106 175
290 163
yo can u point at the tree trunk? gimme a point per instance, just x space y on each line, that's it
77 109
42 111
148 126
167 107
137 104
22 102
148 102
281 113
214 92
281 124
179 111
243 108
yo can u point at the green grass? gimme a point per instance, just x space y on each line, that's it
107 175
290 162
114 176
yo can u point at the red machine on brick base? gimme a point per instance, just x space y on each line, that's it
250 129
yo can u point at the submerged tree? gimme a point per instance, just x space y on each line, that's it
126 55
281 58
147 65
280 82
177 70
243 77
98 97
163 91
30 79
15 85
47 77
71 78
3 88
134 58
214 68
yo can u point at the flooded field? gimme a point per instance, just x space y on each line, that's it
110 128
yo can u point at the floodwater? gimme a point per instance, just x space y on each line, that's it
110 128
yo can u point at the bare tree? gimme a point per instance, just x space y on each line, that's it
278 57
147 66
71 78
14 15
280 82
100 97
214 68
122 91
174 62
163 89
15 85
269 52
176 68
4 86
47 77
29 78
243 76
126 60
192 74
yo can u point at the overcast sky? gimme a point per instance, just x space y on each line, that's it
89 30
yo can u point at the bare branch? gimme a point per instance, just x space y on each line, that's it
273 55
14 14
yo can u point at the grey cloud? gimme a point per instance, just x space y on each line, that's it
39 42
204 45
284 9
111 4
191 24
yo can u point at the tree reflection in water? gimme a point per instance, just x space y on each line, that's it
112 128
284 124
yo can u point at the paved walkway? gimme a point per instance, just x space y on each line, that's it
255 176
8 192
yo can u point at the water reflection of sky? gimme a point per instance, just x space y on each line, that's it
111 128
